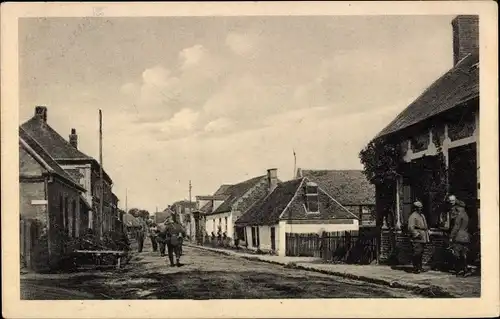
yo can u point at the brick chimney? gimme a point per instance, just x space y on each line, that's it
465 36
41 112
73 138
272 178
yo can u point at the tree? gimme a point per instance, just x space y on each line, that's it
144 213
134 212
381 161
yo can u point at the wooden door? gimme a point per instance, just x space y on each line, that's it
273 238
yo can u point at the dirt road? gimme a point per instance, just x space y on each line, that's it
203 275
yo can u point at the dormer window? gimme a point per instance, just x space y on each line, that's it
312 199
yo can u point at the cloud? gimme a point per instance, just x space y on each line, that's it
192 56
220 125
241 44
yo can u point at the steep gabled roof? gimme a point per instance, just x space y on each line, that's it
55 145
348 187
235 192
52 141
267 210
458 85
222 189
287 202
36 150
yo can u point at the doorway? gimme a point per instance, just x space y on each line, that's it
273 239
462 177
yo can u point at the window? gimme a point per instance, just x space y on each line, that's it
225 224
73 218
60 220
240 233
407 203
255 236
312 199
214 228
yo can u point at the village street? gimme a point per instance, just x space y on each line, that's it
203 275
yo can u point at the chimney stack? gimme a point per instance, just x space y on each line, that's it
465 36
73 138
272 178
41 112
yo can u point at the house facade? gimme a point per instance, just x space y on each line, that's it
350 188
81 167
298 206
51 206
222 209
437 137
184 209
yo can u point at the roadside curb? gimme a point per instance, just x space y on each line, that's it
425 290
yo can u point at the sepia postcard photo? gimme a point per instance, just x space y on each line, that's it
250 159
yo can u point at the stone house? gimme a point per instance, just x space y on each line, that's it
222 209
350 188
81 167
298 206
437 136
52 209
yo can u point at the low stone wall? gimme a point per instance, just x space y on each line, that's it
395 248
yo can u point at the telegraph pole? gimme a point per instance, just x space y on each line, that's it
101 202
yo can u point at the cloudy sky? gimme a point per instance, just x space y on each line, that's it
218 100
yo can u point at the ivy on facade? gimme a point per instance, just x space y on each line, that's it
381 160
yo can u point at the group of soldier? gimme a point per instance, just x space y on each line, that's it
168 234
455 221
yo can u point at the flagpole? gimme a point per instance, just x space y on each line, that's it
101 202
294 164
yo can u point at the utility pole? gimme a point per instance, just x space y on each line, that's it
126 200
190 187
190 212
101 202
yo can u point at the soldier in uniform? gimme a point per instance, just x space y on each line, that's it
152 235
161 237
174 237
459 235
419 231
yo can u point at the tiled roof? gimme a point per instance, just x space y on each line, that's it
235 192
458 85
288 199
207 207
54 143
348 187
222 189
53 166
267 210
58 148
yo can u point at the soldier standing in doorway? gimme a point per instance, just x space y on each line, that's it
459 235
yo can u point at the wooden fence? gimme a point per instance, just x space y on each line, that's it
354 247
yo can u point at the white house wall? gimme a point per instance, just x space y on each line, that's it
264 237
210 226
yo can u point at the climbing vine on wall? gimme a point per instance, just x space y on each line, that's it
381 161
